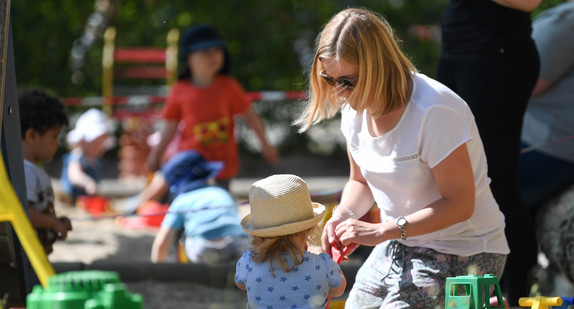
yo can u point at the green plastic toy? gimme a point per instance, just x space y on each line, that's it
472 292
83 290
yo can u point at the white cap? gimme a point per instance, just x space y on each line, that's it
89 126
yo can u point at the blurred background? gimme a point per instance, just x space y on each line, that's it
58 47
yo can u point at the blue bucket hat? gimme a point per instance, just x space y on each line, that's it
201 37
188 170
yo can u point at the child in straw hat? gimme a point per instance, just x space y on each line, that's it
278 270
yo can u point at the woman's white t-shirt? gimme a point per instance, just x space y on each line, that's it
397 167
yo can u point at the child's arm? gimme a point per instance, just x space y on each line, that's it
338 291
241 286
167 134
40 220
253 121
80 179
161 244
240 274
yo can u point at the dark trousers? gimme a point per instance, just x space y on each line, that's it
497 88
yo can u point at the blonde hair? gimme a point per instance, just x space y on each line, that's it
270 249
362 38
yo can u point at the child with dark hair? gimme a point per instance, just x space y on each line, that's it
42 117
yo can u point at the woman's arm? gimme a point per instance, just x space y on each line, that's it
455 181
356 200
523 5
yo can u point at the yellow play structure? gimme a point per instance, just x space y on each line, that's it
11 210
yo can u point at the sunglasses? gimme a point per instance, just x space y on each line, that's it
347 83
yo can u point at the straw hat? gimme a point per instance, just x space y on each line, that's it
281 205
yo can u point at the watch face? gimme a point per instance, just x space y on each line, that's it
402 221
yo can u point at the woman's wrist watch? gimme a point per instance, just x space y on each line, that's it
402 224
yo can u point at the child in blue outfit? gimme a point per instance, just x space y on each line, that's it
278 271
206 213
82 166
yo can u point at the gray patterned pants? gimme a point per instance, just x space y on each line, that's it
397 276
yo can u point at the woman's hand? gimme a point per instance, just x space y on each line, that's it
328 238
352 231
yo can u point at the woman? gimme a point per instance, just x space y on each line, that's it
414 149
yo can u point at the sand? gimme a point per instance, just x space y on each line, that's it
104 242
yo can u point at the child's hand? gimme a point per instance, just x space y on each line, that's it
66 221
91 188
63 225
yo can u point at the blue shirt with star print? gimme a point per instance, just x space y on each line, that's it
306 286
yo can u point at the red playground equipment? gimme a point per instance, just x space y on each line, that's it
155 69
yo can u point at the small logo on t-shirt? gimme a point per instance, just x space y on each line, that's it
406 158
211 132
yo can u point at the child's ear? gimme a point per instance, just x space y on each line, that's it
30 135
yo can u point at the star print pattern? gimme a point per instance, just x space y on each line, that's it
306 286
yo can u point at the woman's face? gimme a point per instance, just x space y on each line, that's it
340 75
206 62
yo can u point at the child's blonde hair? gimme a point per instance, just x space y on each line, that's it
362 38
270 249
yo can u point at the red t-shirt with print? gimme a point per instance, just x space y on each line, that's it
208 118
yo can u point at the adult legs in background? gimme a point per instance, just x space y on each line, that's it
497 89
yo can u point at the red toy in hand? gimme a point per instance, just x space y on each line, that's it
339 252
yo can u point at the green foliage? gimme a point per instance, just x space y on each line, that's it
271 42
